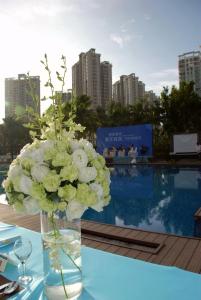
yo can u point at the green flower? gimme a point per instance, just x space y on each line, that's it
14 197
67 192
50 153
106 188
100 176
61 159
62 146
16 183
92 198
69 173
101 160
85 195
37 191
27 163
90 154
47 205
7 185
18 205
62 205
97 164
107 200
51 181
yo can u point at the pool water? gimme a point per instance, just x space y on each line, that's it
161 199
155 198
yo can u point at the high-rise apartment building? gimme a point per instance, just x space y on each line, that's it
92 78
141 90
106 83
116 92
65 96
190 69
128 89
17 96
150 96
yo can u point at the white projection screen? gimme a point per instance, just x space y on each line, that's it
184 143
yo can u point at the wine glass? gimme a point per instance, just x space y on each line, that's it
22 250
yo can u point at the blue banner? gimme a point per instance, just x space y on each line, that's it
122 141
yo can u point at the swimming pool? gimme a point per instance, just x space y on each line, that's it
156 198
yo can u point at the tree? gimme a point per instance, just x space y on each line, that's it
118 114
181 109
15 136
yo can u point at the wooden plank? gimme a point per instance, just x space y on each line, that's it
162 254
161 238
146 255
172 255
194 265
121 251
186 254
133 253
113 248
138 243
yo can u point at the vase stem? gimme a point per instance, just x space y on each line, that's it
61 256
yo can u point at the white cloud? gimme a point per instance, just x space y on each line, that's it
124 38
137 36
52 10
117 39
165 77
165 73
94 5
158 86
124 26
147 17
127 38
24 11
132 20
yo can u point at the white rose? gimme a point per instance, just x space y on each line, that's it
84 143
37 155
87 174
38 172
74 144
31 205
24 153
98 189
45 145
88 147
80 158
75 210
14 171
25 184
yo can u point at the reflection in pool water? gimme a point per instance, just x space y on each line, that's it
162 199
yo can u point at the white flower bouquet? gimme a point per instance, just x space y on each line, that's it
51 174
57 171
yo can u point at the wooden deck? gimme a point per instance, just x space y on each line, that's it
159 248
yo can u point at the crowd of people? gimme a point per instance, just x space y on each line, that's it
131 151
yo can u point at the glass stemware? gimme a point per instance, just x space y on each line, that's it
22 250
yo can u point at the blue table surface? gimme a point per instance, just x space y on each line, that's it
109 277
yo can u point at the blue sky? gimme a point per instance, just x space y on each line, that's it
137 36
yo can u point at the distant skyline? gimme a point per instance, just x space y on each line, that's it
137 36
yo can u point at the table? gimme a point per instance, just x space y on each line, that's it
111 277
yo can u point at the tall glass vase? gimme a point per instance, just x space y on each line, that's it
61 256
